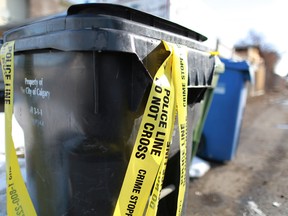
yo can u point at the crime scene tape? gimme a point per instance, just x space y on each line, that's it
18 200
145 173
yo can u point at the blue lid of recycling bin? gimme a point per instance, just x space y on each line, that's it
241 66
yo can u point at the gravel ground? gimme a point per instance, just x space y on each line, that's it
255 183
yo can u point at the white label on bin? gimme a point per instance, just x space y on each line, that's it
35 88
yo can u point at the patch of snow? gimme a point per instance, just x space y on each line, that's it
253 210
198 167
17 133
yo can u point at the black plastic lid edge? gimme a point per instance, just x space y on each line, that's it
134 15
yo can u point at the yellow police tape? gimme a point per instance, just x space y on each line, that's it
142 183
18 199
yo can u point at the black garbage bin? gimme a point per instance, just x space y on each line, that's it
81 87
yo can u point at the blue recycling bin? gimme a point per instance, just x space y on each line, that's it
222 127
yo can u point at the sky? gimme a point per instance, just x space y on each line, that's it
231 20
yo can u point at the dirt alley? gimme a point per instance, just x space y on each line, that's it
255 183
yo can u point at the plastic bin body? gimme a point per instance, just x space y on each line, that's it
222 127
81 87
205 106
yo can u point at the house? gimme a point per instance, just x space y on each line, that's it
253 55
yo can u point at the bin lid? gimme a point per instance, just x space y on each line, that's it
100 15
241 66
135 15
116 28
